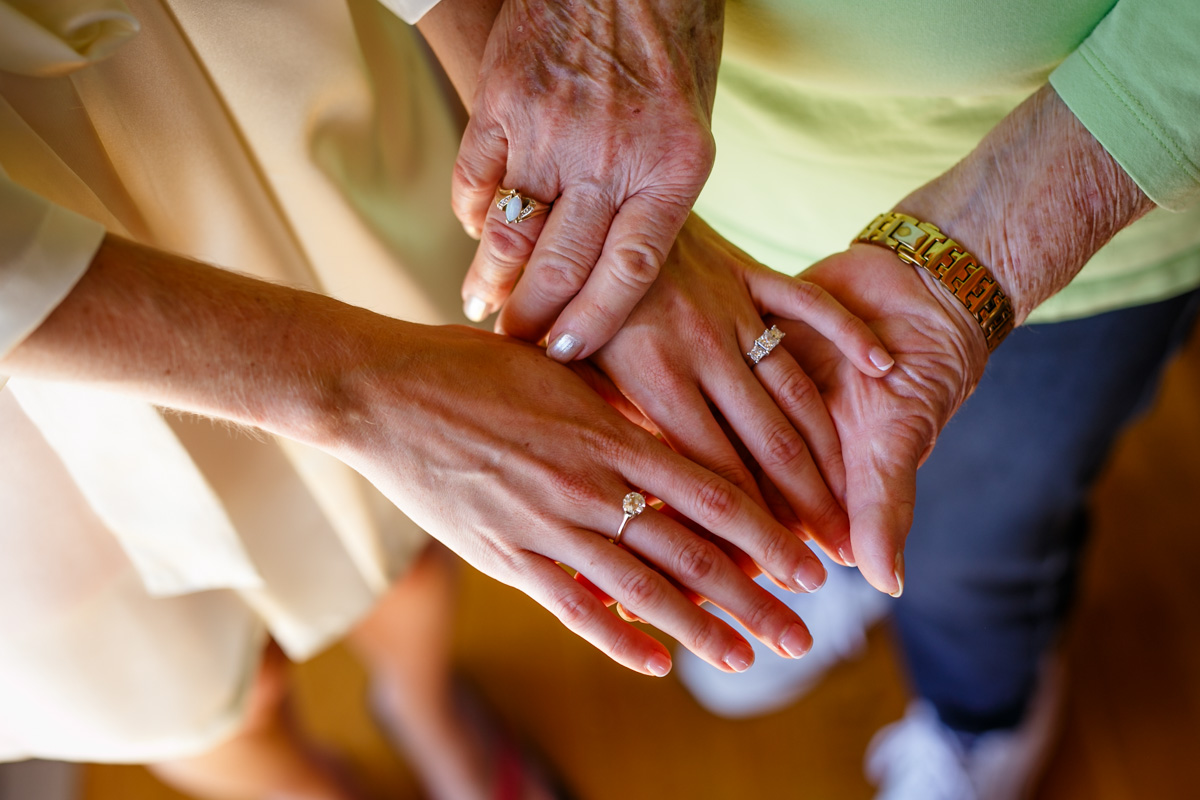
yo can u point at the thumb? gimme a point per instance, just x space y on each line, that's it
881 490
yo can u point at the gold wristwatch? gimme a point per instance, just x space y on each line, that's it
923 244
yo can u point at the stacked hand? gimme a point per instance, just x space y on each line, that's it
602 109
887 426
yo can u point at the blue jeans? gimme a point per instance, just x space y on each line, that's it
1001 514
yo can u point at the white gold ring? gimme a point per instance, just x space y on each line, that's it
633 504
764 344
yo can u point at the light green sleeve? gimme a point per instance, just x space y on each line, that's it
1135 85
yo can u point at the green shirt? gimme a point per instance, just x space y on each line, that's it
830 111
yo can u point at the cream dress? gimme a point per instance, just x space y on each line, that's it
145 557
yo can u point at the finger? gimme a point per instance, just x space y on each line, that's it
794 298
779 442
637 245
583 614
559 266
881 491
721 508
652 598
503 251
700 566
688 425
481 163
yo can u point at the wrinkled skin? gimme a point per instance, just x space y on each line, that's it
887 426
603 109
683 348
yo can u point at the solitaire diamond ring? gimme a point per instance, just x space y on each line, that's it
633 504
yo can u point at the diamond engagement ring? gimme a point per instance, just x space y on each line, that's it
764 344
633 504
517 207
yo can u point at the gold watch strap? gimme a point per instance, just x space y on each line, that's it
923 244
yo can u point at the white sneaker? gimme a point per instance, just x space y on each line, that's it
838 615
919 758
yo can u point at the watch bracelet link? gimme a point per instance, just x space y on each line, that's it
922 244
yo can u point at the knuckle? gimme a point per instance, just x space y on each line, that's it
697 562
827 516
806 295
716 500
783 447
507 246
705 635
759 615
796 394
639 589
776 548
561 277
572 608
636 267
733 470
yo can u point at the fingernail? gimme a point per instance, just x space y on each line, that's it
658 665
899 575
476 309
739 658
625 615
880 358
564 347
472 231
810 576
846 556
796 642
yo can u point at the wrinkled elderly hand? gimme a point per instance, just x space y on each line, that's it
887 426
681 355
604 109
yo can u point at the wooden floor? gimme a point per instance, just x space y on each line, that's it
1133 706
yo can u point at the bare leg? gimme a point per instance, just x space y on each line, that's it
265 760
406 645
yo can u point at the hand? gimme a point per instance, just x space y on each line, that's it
887 426
684 346
603 109
508 457
515 463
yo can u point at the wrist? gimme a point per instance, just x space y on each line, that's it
1034 201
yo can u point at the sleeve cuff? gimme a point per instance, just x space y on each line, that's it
1132 84
44 251
410 11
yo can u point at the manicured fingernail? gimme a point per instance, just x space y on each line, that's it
880 358
796 642
810 576
846 556
658 665
564 347
899 575
472 231
476 309
739 658
625 615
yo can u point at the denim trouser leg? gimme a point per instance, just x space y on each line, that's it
1000 515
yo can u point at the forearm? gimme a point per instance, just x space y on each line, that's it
188 336
1034 201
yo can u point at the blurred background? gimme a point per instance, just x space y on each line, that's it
1132 716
